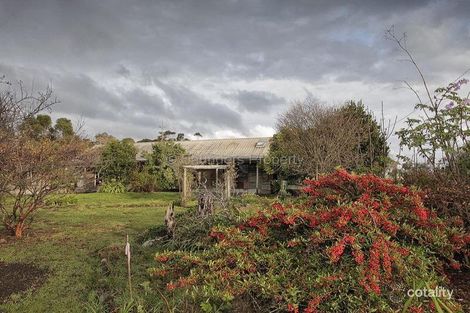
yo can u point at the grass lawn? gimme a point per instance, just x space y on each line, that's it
71 240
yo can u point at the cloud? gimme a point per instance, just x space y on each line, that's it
255 101
123 71
225 66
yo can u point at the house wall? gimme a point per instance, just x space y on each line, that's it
246 179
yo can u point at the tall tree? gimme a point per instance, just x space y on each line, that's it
313 139
103 138
164 162
165 135
63 127
37 126
374 146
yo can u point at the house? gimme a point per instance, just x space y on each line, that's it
210 158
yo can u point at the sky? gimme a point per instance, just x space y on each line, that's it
226 68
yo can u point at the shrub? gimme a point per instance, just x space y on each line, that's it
112 187
356 244
117 160
191 231
450 197
165 163
143 181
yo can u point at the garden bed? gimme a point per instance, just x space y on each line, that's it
19 277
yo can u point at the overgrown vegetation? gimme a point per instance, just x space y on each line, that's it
312 139
117 161
112 187
437 137
159 172
353 245
165 163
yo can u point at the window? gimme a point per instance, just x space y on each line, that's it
260 144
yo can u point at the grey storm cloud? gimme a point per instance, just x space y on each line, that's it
255 101
211 65
198 110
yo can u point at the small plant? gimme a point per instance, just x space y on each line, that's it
143 181
112 187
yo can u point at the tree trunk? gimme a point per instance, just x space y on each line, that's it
19 228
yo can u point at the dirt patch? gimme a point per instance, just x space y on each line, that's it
460 283
19 277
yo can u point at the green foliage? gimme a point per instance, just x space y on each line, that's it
104 138
60 200
354 245
439 134
128 140
112 187
165 135
180 137
144 180
163 162
374 147
44 120
370 153
146 140
192 231
63 127
463 161
117 161
279 161
40 126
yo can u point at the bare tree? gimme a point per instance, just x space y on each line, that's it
31 168
321 137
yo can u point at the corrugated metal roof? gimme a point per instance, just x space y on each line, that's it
216 149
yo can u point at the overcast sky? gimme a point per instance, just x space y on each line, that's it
225 68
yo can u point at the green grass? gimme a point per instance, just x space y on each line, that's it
70 242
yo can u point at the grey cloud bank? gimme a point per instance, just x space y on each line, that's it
225 67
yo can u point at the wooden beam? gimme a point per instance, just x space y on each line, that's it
257 178
227 184
183 200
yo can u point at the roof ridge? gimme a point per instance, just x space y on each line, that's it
208 139
239 138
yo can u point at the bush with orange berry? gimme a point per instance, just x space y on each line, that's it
356 244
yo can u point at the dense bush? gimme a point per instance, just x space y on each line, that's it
165 162
143 181
450 197
112 187
117 161
355 245
192 231
312 139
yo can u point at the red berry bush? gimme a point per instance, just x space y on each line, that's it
356 243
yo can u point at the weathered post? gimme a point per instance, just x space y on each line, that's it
170 222
185 187
257 178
